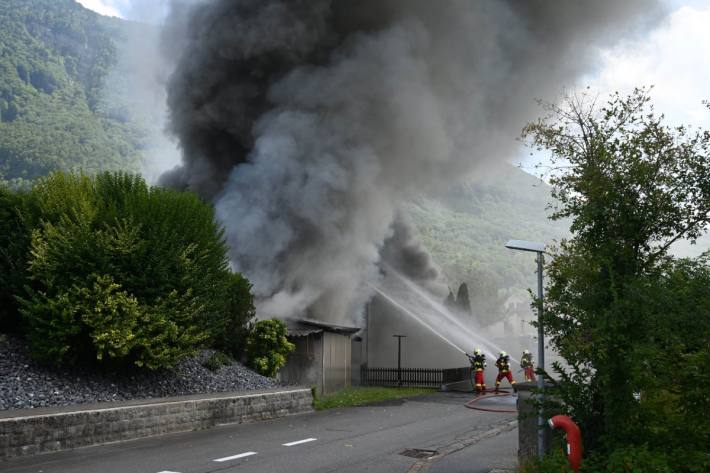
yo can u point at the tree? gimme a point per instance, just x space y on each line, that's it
619 308
487 300
462 301
450 301
267 346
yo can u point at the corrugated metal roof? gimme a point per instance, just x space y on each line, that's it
305 327
303 332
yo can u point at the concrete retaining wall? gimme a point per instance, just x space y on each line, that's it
527 423
33 431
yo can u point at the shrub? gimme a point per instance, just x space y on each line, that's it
217 360
554 462
267 346
14 247
230 327
124 272
637 460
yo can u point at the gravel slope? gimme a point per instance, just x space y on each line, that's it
25 384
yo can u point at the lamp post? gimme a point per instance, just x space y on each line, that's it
538 248
399 358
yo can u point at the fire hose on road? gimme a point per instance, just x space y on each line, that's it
502 393
562 422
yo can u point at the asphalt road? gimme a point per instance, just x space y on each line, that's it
356 439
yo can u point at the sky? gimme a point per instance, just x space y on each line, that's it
674 57
150 11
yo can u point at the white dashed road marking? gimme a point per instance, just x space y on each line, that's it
234 457
297 442
168 471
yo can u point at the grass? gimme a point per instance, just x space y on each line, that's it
367 395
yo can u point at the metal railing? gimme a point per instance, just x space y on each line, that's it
413 377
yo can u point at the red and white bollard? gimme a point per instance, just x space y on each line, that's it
574 439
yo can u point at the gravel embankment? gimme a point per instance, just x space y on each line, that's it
25 384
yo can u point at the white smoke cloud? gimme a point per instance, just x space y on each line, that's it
672 59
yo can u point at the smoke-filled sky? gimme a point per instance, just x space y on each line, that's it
309 122
671 56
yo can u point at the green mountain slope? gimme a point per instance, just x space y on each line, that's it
467 227
465 230
54 58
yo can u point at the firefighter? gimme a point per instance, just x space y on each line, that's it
503 364
526 363
478 363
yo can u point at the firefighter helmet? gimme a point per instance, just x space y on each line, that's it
503 353
526 352
477 351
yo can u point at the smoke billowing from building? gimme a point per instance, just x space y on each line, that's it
308 122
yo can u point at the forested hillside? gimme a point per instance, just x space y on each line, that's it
467 227
54 58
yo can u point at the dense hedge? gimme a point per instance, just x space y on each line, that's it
120 272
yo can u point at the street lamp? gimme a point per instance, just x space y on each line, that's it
399 358
538 248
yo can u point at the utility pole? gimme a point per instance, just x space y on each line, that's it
538 248
399 358
541 446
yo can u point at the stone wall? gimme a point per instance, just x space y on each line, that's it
33 431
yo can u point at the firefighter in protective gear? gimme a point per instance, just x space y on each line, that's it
478 363
503 364
526 363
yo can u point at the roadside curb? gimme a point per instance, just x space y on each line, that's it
29 432
421 466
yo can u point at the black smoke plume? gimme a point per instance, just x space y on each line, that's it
308 122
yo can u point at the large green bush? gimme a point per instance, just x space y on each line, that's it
125 273
267 346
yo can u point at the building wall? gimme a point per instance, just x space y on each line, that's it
336 362
304 365
421 348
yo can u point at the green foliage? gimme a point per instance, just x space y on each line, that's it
555 462
465 230
61 324
632 322
14 244
366 395
620 460
230 327
462 300
124 273
267 346
217 360
637 460
54 59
